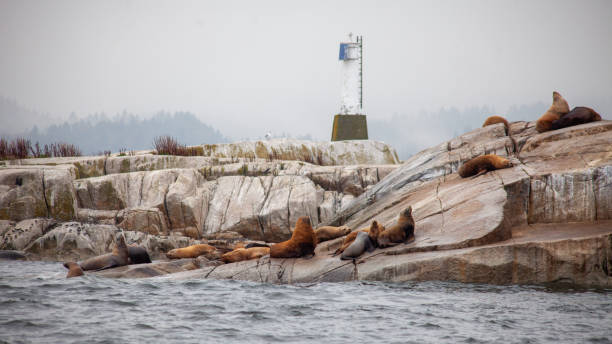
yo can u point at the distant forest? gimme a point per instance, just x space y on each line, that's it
407 133
98 133
410 134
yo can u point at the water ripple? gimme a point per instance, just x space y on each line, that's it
38 305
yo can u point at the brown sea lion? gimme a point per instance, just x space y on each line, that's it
138 255
483 163
119 257
558 108
497 119
400 232
325 233
361 243
302 243
373 232
241 254
192 251
74 269
578 115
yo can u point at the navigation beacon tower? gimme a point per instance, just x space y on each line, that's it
350 123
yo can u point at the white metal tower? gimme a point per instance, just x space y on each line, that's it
351 54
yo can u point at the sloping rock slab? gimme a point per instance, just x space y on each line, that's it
572 253
149 270
431 164
578 253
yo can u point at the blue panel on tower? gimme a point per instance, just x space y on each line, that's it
343 50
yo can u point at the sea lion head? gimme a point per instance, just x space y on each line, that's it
120 241
121 248
344 230
74 269
172 254
303 221
559 104
375 230
407 212
502 163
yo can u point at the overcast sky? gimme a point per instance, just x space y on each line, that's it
247 67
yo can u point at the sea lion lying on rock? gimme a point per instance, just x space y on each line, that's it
241 254
483 163
192 251
400 232
325 233
578 115
119 257
302 243
373 233
74 269
497 119
361 243
138 255
558 108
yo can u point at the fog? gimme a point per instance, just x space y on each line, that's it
431 68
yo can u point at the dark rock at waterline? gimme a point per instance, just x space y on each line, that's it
12 255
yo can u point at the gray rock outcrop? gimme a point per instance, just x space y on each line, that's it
545 219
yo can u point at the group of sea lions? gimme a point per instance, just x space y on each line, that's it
558 116
304 240
121 255
302 243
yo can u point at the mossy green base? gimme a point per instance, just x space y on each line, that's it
349 127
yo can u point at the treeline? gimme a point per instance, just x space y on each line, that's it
98 133
410 134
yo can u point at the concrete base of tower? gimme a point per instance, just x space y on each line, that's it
349 127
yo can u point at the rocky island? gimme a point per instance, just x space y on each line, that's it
548 218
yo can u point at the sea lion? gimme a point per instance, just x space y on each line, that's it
241 254
361 243
403 230
138 255
12 255
373 232
497 119
483 163
192 251
303 241
325 233
558 108
119 257
578 115
74 269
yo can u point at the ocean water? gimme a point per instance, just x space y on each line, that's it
39 305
